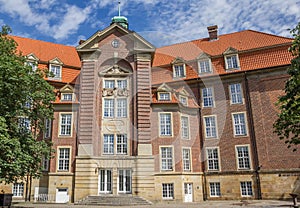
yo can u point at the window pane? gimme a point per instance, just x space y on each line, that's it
122 108
243 157
109 84
207 96
210 127
186 157
184 127
204 66
63 159
166 158
164 96
212 159
239 124
167 190
215 189
65 124
179 71
121 144
108 108
108 144
165 124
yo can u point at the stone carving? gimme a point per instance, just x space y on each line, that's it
114 92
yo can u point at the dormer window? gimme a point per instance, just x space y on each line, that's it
231 59
164 96
55 68
67 97
179 68
183 100
204 63
32 61
55 71
33 65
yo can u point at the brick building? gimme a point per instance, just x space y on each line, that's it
186 122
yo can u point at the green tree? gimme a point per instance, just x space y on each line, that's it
287 126
25 102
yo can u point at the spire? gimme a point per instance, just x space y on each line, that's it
121 20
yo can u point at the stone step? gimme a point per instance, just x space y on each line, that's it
112 200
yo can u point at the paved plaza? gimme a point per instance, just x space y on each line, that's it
205 204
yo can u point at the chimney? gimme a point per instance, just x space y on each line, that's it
213 32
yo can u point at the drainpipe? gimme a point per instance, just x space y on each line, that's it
201 145
252 137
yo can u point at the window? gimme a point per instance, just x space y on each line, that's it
179 71
167 191
186 159
184 127
109 108
246 188
115 143
124 181
214 188
45 164
165 124
24 124
122 84
18 189
207 97
166 158
47 133
204 66
109 84
232 62
239 123
32 64
243 157
213 159
183 100
210 127
108 144
121 144
164 96
236 93
122 108
67 97
65 124
63 159
56 71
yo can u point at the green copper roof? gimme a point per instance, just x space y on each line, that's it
120 20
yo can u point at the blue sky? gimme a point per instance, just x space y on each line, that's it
162 22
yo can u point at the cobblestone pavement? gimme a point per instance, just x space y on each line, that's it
206 204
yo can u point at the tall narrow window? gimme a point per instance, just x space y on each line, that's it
212 159
186 159
108 144
166 158
210 127
63 159
167 191
121 144
207 97
122 108
239 124
246 188
232 62
105 181
109 108
65 124
236 93
243 157
47 128
214 188
184 127
124 181
165 124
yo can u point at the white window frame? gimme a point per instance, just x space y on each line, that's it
185 127
238 127
58 68
235 96
186 159
246 188
168 191
60 125
213 159
65 167
121 107
117 146
209 97
32 64
67 94
213 127
48 127
122 144
122 180
243 158
215 189
164 96
229 65
165 124
177 75
183 100
108 144
168 159
18 189
206 63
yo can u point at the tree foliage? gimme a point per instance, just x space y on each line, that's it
287 126
24 96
